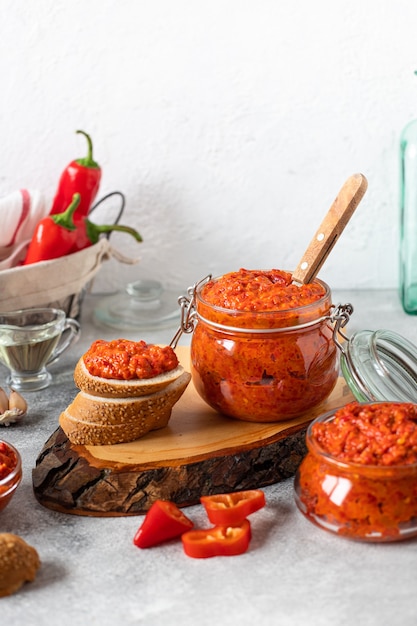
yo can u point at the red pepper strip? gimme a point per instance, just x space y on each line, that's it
230 509
54 235
217 541
163 521
82 176
89 233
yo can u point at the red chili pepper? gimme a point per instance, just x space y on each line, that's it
81 176
163 521
230 509
89 233
217 541
54 235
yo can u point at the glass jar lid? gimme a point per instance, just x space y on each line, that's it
144 305
380 366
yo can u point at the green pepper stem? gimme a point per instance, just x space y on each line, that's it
95 230
88 161
66 219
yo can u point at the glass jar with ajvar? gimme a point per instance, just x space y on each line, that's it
262 348
359 477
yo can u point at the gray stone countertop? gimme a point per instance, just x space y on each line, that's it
293 573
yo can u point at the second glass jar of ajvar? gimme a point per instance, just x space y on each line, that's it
262 348
359 477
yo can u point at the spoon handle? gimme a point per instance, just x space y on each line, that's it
331 228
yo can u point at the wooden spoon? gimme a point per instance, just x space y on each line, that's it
330 229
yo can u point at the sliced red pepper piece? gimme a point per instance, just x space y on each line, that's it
230 509
217 541
163 521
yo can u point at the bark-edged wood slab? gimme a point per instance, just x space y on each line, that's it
199 453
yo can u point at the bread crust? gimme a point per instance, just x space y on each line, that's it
94 420
113 388
89 434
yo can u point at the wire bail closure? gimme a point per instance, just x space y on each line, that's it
340 317
188 310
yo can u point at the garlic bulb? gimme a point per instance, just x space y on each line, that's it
12 408
4 401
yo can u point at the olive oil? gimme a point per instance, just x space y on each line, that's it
31 340
28 356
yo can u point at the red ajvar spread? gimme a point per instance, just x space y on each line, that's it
373 495
259 290
122 359
8 460
375 434
263 376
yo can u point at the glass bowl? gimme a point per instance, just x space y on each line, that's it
371 503
10 472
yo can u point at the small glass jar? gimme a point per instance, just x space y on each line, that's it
263 366
369 503
11 481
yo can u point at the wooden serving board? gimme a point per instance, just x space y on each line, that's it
200 452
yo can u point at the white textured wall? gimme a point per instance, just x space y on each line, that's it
229 124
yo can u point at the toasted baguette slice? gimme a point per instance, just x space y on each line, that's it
89 434
106 411
90 420
114 388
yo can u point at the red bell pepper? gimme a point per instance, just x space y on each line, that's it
217 541
230 509
54 235
163 521
81 176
